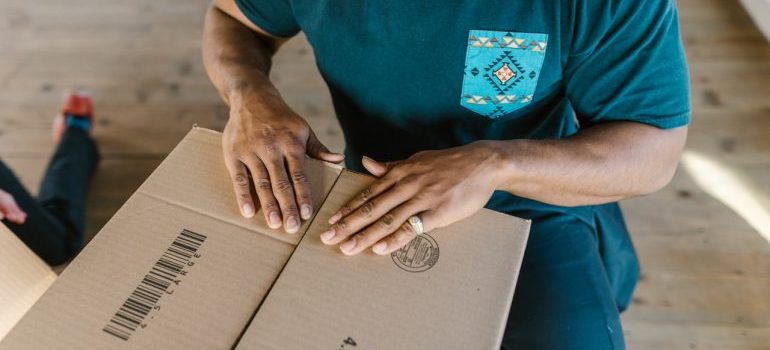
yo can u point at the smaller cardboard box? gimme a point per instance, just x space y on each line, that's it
24 277
179 268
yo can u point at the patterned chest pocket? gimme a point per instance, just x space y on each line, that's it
501 71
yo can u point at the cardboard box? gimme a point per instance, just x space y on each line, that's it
23 279
179 268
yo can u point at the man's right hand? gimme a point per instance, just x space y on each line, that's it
263 137
270 145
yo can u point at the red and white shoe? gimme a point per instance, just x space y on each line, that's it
77 104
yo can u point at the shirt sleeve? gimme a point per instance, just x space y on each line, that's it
627 63
275 17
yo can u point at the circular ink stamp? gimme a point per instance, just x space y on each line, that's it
419 255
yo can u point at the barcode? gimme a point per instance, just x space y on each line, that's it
145 297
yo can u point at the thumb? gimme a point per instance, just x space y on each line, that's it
376 168
316 149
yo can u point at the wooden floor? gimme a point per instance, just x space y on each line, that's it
706 271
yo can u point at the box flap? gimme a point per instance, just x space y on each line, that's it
157 276
194 176
24 279
450 289
177 267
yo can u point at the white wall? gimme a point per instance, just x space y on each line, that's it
760 12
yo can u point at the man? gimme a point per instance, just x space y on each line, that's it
52 225
547 110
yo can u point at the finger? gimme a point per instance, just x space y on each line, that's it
283 190
378 169
316 149
395 240
296 165
11 211
19 211
386 225
8 204
264 190
371 211
375 189
240 180
404 235
17 218
5 200
374 167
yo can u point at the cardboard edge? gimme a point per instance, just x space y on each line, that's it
512 292
280 272
18 254
195 127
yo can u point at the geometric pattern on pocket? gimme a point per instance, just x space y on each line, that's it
501 71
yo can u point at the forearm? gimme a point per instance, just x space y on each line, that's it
601 164
237 59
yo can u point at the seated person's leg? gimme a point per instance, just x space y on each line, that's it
41 232
65 185
563 298
55 221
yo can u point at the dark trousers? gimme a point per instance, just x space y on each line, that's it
56 219
575 279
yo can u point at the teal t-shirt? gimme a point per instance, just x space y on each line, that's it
413 75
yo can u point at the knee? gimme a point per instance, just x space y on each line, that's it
57 254
59 250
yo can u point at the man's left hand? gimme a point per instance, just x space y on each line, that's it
440 187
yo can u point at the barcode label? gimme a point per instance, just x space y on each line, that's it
145 297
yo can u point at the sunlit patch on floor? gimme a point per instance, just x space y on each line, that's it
731 188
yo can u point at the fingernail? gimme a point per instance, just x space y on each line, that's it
380 247
334 218
274 220
348 245
306 211
327 235
292 224
247 210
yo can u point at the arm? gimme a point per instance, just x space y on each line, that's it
237 55
601 164
264 141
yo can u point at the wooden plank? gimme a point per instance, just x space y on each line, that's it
698 299
657 335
